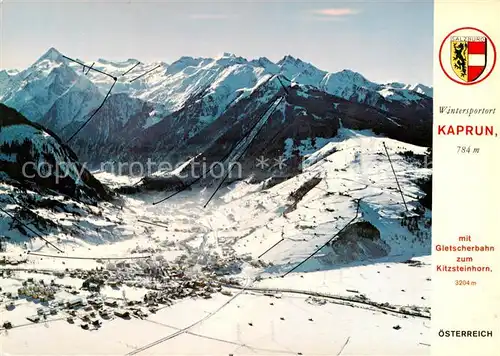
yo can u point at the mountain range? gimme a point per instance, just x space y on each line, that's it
203 107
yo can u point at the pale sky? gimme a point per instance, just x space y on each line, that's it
382 40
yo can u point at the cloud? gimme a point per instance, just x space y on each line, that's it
208 16
335 12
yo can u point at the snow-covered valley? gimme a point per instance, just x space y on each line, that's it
175 278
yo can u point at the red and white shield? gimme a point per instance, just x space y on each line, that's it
467 56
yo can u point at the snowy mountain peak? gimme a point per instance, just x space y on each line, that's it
226 55
291 61
267 65
354 77
229 59
182 63
264 61
422 89
418 88
288 59
52 54
292 66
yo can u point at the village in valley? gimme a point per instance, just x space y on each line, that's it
76 294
